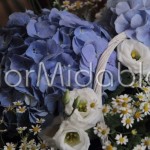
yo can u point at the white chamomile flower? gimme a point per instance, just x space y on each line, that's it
108 146
9 146
18 103
35 129
135 85
106 109
140 96
114 111
21 109
133 54
128 122
21 129
125 112
23 146
146 142
115 101
125 98
139 147
145 108
121 140
40 121
43 146
138 115
146 89
101 130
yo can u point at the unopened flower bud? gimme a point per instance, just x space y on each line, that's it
76 102
66 97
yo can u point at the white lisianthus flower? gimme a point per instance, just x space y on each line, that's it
70 137
88 111
132 54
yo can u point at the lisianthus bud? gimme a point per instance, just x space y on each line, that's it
76 102
66 97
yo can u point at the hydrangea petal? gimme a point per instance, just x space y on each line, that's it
121 24
136 21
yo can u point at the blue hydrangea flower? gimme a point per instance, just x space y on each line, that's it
133 17
54 36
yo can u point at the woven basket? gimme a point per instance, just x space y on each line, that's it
102 66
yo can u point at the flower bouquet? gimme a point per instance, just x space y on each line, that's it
71 84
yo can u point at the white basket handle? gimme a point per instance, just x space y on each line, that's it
103 62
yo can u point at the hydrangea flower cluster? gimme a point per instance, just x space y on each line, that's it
133 17
55 36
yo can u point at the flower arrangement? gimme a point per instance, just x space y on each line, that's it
66 84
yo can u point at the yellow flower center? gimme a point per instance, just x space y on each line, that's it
140 97
114 110
66 3
105 110
146 107
137 115
137 103
22 109
135 55
126 99
92 105
124 111
104 132
109 147
121 140
82 107
9 147
145 89
124 104
128 121
78 4
147 143
72 138
36 129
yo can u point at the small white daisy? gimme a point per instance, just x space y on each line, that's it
138 115
21 110
9 146
140 96
101 130
125 112
145 107
106 109
18 103
146 89
121 140
40 121
125 98
139 147
35 129
21 129
108 146
128 122
146 142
